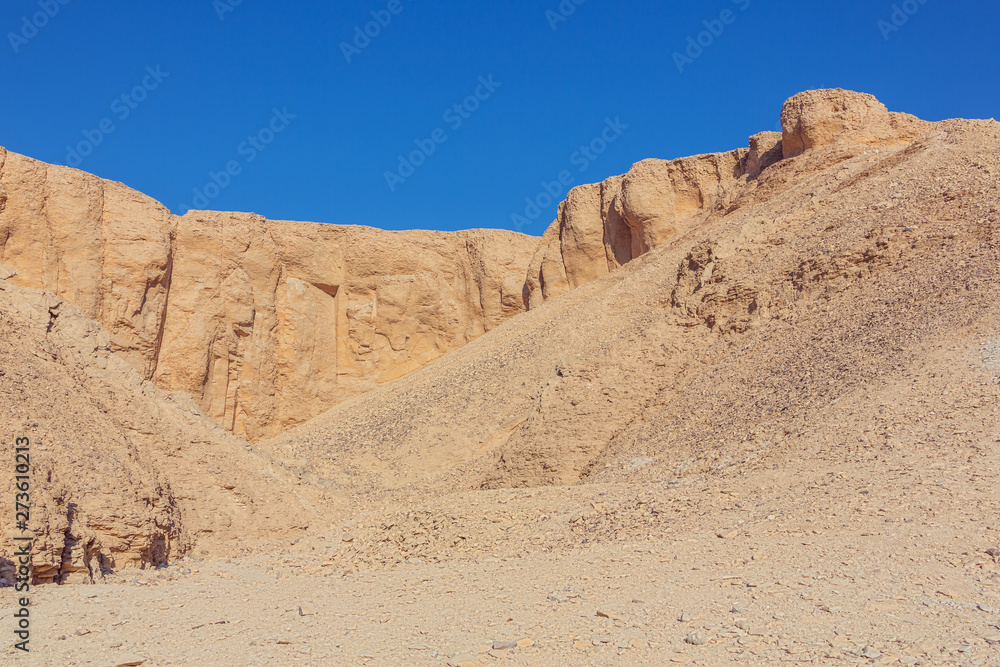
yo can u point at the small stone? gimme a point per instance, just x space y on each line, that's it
464 660
525 643
739 609
603 614
993 640
696 639
500 646
994 552
306 611
909 660
685 617
871 653
81 631
126 660
582 645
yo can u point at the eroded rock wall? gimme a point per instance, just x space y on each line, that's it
265 323
600 227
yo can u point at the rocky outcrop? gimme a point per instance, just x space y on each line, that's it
830 276
603 226
123 474
818 118
265 323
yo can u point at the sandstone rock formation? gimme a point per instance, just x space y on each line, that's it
769 429
603 226
123 473
265 323
715 311
818 118
763 301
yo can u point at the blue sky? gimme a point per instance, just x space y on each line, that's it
254 104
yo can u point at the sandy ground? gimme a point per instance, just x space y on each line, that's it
883 562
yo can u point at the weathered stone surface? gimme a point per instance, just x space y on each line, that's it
765 150
818 118
120 473
265 323
601 227
658 201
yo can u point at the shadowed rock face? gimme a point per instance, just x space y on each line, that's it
265 323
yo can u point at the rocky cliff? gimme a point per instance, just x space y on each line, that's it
265 323
123 474
763 309
602 226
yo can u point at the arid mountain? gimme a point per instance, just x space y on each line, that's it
739 408
266 324
800 283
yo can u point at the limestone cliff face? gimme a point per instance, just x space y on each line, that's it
124 474
265 323
603 226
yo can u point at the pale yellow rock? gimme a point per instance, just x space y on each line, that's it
765 150
124 474
658 201
601 227
266 324
818 118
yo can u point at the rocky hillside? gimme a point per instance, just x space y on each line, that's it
602 226
829 292
810 277
265 323
124 474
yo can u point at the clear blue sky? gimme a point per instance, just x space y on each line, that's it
223 73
